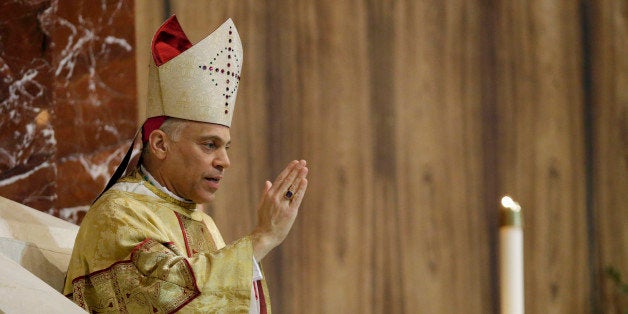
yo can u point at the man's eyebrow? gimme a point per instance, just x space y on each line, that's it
214 138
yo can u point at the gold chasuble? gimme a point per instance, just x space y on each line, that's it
140 250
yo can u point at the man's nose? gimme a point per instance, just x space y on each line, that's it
222 159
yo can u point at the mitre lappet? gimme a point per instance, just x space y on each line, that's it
194 82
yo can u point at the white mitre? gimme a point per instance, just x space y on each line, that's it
200 83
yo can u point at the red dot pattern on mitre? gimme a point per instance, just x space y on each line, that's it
227 73
169 41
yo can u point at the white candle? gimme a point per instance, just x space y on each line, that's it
511 257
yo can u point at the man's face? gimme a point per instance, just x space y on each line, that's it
194 163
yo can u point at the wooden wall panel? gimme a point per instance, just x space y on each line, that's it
415 116
436 219
608 35
541 147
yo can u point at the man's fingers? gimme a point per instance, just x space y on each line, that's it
284 173
300 192
300 174
291 178
299 188
267 186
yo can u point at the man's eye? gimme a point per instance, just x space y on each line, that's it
210 145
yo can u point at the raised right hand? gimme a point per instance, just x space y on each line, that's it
277 212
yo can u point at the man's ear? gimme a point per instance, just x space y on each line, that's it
158 143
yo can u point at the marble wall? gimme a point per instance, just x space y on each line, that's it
67 100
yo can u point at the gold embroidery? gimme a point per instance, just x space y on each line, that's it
197 236
154 278
103 276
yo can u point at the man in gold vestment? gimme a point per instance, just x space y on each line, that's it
143 246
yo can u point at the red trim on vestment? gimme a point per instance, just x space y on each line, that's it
185 235
137 247
197 291
127 261
255 290
82 301
262 299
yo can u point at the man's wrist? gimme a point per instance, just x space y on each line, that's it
261 245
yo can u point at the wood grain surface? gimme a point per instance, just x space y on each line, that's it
415 117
